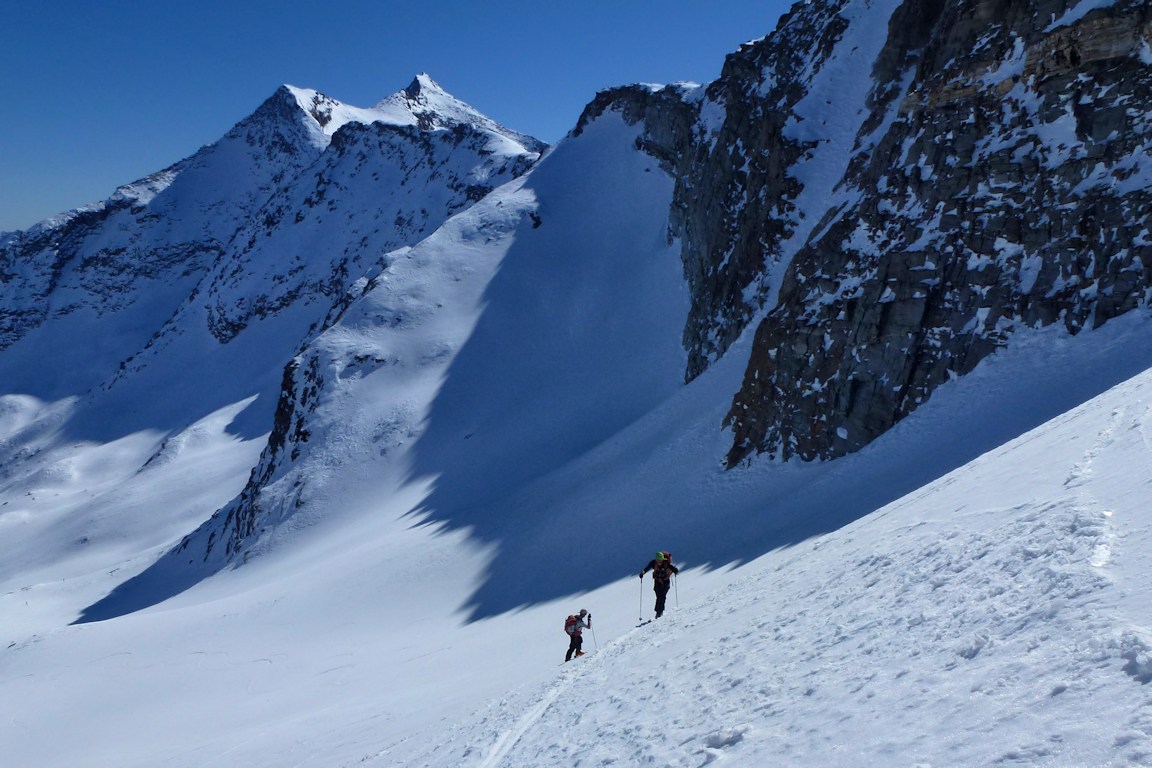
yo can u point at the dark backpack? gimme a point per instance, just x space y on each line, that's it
662 569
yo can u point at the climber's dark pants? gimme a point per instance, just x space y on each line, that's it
574 646
661 594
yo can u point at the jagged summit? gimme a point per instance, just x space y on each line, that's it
423 103
424 87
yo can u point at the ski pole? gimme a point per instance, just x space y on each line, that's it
595 645
676 584
641 597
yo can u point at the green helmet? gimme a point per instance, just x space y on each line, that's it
659 555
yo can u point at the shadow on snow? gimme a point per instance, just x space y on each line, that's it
578 517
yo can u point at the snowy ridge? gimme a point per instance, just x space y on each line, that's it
424 103
329 114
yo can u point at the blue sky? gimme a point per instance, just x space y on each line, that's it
98 94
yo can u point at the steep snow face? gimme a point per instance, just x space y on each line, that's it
512 312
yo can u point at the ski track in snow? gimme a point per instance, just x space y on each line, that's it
508 740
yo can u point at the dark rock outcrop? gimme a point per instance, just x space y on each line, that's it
1009 190
889 215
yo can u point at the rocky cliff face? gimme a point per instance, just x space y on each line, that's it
888 190
1007 187
725 145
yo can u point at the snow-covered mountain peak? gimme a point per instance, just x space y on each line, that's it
423 104
424 87
308 416
426 104
329 115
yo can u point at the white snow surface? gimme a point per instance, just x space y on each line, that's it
1078 11
971 589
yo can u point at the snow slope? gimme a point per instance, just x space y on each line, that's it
998 615
969 589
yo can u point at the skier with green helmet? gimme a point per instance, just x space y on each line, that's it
662 570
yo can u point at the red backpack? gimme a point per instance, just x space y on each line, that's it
570 624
